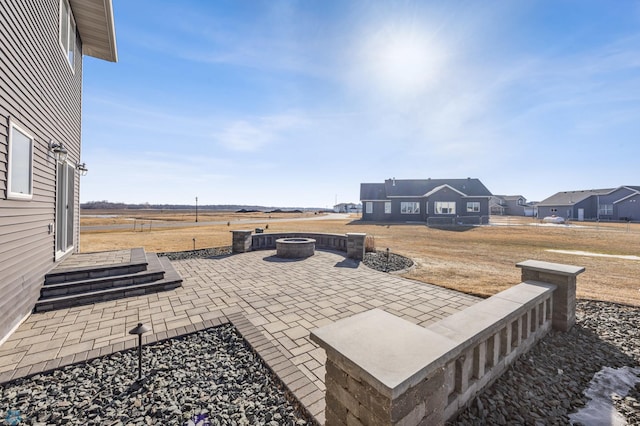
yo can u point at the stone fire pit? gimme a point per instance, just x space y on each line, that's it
295 248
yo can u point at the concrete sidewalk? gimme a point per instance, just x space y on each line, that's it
273 302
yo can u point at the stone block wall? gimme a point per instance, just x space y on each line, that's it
241 242
383 370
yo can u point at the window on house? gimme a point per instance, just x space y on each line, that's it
520 201
409 207
368 206
473 207
606 210
387 207
67 31
445 207
20 168
553 210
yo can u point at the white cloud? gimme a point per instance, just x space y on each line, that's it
249 135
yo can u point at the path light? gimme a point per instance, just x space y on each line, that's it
140 330
59 151
387 268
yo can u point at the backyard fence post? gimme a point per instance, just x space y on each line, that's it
564 298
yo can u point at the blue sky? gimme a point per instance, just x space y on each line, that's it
295 103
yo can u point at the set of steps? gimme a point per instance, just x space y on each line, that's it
145 273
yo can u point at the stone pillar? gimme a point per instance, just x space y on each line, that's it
241 241
355 245
564 298
377 371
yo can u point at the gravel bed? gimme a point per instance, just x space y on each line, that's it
378 260
545 385
197 254
210 375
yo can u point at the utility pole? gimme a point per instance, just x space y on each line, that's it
196 209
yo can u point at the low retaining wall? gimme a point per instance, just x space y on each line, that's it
352 243
336 242
384 370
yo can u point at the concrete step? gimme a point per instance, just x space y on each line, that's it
160 276
138 263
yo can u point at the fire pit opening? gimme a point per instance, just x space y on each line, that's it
295 248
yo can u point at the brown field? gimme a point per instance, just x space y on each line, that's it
479 260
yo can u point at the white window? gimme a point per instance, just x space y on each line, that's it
387 207
20 169
473 207
409 207
445 207
368 207
606 210
67 32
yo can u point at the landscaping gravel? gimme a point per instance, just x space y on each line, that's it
197 254
210 377
545 385
378 260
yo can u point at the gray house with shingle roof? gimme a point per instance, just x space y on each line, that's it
407 200
510 205
622 203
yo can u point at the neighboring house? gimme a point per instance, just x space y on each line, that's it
510 205
347 208
622 203
41 49
398 200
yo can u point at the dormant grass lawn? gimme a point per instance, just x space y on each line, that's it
477 260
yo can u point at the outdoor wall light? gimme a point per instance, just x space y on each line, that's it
140 330
59 151
82 168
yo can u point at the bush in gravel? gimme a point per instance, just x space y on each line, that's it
369 244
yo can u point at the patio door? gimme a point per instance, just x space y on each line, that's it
65 190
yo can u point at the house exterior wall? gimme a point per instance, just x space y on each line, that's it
550 210
484 206
515 209
569 211
628 209
377 215
40 92
449 195
396 210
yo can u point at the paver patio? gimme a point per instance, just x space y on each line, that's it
273 302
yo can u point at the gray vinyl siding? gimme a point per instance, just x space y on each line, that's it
377 215
447 195
629 208
42 95
396 210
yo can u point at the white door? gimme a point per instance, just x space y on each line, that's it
580 215
65 185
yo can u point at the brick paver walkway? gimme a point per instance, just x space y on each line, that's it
273 302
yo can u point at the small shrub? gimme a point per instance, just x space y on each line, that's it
369 244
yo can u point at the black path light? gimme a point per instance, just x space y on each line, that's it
140 330
387 267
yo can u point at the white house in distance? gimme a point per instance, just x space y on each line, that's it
347 208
